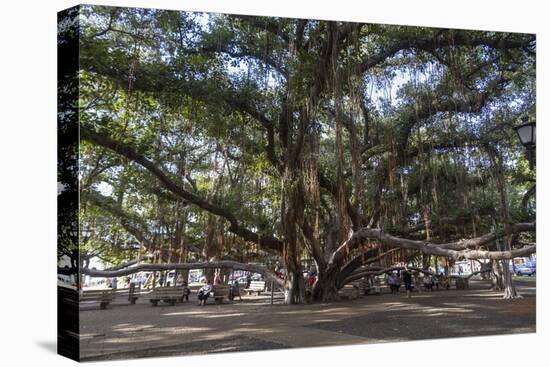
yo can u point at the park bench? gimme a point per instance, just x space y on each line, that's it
349 292
257 286
443 283
103 296
219 293
365 287
134 292
373 286
460 282
166 294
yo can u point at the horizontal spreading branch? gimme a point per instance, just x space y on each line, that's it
129 263
488 238
351 267
445 39
455 250
243 53
224 264
374 271
267 24
235 227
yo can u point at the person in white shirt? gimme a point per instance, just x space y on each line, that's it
204 293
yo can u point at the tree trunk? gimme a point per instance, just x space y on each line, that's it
294 280
510 291
294 287
292 212
326 287
497 281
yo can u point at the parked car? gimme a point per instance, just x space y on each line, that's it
525 270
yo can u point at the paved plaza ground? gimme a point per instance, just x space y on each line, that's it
135 331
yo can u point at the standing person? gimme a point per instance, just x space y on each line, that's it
311 280
248 280
235 291
434 282
407 280
428 282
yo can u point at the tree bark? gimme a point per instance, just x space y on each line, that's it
497 281
510 291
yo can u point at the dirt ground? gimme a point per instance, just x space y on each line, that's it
137 331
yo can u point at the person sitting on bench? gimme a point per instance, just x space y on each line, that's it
204 293
428 282
393 283
186 292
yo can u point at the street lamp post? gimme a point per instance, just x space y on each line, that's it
527 136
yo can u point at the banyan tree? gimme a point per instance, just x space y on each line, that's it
236 139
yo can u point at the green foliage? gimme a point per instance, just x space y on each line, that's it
197 95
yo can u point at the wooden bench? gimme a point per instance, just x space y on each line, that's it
460 282
103 296
166 294
134 292
219 293
257 286
443 283
349 292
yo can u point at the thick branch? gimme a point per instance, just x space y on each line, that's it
128 152
224 264
266 24
374 271
132 224
360 260
129 263
454 250
242 53
449 38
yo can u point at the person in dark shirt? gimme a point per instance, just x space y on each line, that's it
407 280
186 292
234 291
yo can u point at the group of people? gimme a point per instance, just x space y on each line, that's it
394 281
429 282
207 289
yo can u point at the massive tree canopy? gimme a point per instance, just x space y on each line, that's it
210 137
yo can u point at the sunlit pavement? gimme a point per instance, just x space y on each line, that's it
134 331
